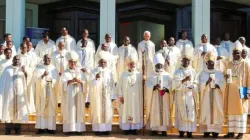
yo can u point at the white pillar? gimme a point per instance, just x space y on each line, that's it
200 19
107 18
15 20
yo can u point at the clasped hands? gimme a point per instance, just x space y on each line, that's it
74 80
210 80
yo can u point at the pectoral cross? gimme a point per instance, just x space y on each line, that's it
61 63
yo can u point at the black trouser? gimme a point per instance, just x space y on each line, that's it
10 126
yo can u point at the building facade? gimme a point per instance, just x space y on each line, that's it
163 18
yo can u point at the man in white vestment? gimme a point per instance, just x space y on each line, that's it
46 78
13 89
200 51
31 52
2 56
85 36
73 87
130 97
243 42
146 51
184 44
102 94
46 32
158 103
9 44
44 47
69 41
223 56
172 57
8 37
163 46
112 47
185 88
111 60
227 44
123 52
211 86
237 93
59 58
7 61
27 62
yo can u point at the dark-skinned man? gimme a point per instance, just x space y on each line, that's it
15 109
237 93
211 86
185 89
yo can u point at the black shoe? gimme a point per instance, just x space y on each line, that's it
51 131
126 132
190 135
17 131
7 132
97 133
134 132
239 136
69 133
181 134
106 133
164 133
229 135
153 133
39 131
215 135
206 134
78 133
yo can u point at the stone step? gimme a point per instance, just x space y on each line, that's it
30 127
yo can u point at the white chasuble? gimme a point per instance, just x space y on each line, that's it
228 45
29 65
59 60
148 49
123 53
101 93
185 45
158 107
90 44
131 111
199 62
186 96
4 63
69 42
42 49
46 97
172 54
13 91
211 101
73 100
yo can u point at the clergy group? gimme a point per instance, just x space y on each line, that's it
180 85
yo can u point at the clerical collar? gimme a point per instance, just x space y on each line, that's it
217 46
15 67
181 40
210 70
228 41
202 44
186 68
65 36
237 61
126 46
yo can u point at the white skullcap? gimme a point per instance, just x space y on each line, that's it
103 55
242 38
158 58
131 58
147 32
237 46
72 56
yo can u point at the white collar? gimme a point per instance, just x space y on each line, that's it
181 40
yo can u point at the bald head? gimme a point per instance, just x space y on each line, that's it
16 60
108 38
204 38
126 40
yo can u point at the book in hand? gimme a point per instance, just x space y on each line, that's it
243 92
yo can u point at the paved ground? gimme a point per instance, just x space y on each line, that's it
91 136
